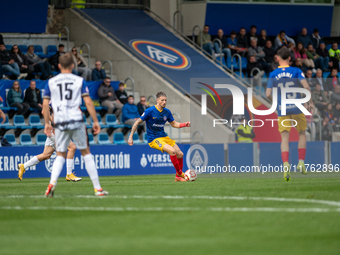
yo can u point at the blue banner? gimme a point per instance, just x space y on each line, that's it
6 85
113 160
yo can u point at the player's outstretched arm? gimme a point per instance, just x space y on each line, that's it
46 113
176 124
133 130
269 93
3 116
92 112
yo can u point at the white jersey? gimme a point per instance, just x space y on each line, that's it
65 92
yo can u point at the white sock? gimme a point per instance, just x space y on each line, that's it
56 169
92 170
69 165
32 162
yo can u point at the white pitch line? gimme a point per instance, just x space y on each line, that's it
171 209
277 199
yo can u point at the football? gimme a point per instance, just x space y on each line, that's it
190 175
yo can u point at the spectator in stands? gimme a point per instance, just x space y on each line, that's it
80 65
275 63
291 47
252 63
206 40
33 97
328 111
319 79
232 44
1 39
130 114
283 39
14 98
54 60
326 130
304 38
242 41
309 79
332 80
9 65
336 116
142 105
262 40
319 62
251 35
298 64
22 62
98 73
334 54
121 93
225 49
108 97
316 39
300 52
335 97
319 98
269 52
323 52
38 64
257 51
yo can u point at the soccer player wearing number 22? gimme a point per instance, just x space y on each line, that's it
289 77
65 92
155 118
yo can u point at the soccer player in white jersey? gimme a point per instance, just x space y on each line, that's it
66 91
47 153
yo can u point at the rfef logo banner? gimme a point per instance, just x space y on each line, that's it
113 160
161 54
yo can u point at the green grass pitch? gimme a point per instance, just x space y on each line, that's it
217 214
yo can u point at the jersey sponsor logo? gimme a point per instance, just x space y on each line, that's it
161 54
158 125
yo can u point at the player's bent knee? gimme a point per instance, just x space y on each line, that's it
180 154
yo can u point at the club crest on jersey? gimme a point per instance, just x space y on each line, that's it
161 54
165 118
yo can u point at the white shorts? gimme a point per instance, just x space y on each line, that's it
50 141
63 138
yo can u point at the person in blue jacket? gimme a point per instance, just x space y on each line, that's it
130 113
98 74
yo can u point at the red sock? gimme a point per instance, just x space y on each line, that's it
285 156
302 153
180 161
175 162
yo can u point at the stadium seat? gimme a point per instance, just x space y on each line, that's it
325 74
99 121
145 137
135 138
8 47
40 139
51 50
34 121
118 138
329 46
244 63
111 121
38 49
11 139
6 123
23 48
19 122
104 139
25 140
91 140
232 62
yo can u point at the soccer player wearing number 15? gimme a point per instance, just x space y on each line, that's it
65 92
289 77
155 118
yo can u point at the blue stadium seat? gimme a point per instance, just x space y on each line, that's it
104 139
19 122
8 47
34 121
23 48
26 140
38 49
111 121
135 138
40 139
99 121
51 50
11 139
118 138
325 74
91 140
244 63
329 46
5 124
145 137
232 62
